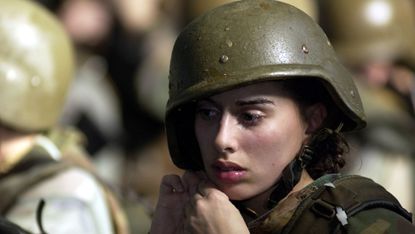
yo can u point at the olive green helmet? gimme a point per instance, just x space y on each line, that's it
308 6
245 42
36 66
195 8
362 30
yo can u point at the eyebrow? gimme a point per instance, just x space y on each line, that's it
255 101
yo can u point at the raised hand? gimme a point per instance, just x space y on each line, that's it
175 193
169 213
210 211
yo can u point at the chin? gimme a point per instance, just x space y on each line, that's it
237 194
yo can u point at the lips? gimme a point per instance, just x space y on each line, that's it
228 172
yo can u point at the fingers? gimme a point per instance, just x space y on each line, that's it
171 184
206 189
190 182
202 175
192 205
202 189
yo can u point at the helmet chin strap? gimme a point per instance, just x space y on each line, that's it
292 173
290 176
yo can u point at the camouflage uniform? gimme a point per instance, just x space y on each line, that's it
313 209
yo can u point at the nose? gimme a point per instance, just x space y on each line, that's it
225 140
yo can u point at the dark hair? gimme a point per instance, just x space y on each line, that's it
328 145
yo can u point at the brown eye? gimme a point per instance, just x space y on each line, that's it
250 118
207 113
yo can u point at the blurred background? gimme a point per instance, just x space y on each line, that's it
119 93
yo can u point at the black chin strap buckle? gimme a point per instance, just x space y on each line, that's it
306 156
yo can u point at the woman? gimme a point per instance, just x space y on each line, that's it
257 103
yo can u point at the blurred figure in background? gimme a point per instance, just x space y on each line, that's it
147 163
92 104
114 40
47 183
376 39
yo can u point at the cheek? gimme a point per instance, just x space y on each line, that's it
277 145
197 132
204 137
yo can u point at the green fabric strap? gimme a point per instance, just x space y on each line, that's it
317 213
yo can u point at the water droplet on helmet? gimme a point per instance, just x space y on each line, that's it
223 59
352 93
229 43
305 49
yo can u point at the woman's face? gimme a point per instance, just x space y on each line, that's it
247 136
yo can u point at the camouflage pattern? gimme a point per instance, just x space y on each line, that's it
245 42
382 213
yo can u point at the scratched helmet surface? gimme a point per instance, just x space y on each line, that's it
36 66
247 42
362 30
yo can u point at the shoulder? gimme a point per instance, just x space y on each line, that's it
74 190
346 201
77 183
378 220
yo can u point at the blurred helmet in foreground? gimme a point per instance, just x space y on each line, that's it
36 66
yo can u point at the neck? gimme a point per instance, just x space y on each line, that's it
258 204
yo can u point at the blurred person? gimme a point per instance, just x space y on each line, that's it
375 39
147 164
102 100
126 52
258 102
47 182
92 103
136 28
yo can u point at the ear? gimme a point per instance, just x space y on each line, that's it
315 115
